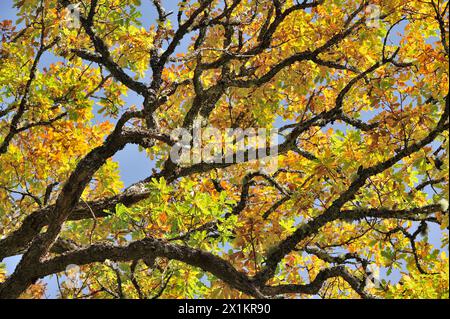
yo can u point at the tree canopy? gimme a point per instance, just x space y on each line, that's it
358 93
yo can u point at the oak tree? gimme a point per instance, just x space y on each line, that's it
357 89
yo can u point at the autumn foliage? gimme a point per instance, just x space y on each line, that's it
358 207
